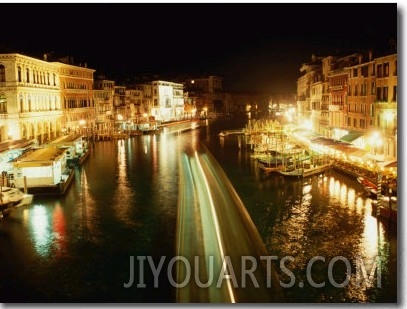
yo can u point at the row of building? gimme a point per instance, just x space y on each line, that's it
344 98
41 100
352 98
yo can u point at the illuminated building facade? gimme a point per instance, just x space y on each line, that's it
385 103
76 84
41 99
134 99
311 73
30 99
168 101
207 94
103 93
351 97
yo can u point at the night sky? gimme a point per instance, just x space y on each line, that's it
255 47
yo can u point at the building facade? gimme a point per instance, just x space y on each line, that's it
352 99
207 95
76 85
30 99
168 101
103 94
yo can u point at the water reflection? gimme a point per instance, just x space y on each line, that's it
338 224
38 220
129 207
123 194
59 224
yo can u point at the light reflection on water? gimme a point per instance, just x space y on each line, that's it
327 215
123 191
40 225
128 208
313 224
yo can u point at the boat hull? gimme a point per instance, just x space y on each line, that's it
306 172
12 198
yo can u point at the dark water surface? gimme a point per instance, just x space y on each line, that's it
123 203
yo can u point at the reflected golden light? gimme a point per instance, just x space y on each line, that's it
343 193
351 198
306 189
359 205
59 225
42 234
123 188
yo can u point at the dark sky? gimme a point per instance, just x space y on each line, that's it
253 46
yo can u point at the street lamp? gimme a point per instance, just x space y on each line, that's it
82 123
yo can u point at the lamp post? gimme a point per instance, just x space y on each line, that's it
82 123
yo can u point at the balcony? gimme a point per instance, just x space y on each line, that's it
385 105
338 87
335 108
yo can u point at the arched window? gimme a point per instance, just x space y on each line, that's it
3 104
2 74
21 104
28 75
20 78
29 103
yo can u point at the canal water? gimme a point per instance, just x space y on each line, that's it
123 204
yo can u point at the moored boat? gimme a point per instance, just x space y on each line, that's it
387 209
369 186
11 198
305 172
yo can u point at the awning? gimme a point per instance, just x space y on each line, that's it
351 136
390 164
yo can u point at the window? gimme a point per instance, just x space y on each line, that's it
363 89
19 74
379 70
3 104
364 71
2 74
386 69
394 94
395 68
28 75
355 72
379 94
385 94
21 104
